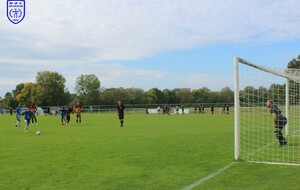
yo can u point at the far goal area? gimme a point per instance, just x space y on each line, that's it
267 108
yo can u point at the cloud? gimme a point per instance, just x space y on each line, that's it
199 80
84 37
132 29
14 72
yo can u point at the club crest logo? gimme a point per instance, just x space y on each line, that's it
15 10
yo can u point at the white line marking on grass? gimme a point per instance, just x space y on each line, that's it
266 146
212 175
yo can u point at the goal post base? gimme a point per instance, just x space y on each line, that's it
257 135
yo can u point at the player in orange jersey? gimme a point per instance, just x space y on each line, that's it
78 109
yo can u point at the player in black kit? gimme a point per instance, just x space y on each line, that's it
279 122
121 109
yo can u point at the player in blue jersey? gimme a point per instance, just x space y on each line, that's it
63 113
18 115
27 116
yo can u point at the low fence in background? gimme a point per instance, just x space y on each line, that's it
139 109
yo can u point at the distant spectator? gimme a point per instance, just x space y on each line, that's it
177 110
227 109
223 110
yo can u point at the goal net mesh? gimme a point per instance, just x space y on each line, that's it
258 142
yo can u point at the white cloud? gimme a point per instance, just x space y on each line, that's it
75 37
199 80
132 29
110 75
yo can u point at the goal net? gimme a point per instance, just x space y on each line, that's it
255 131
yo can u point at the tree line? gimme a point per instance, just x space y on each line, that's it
49 90
274 91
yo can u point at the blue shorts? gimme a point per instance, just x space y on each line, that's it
17 117
63 116
27 120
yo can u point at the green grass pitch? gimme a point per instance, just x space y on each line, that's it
150 152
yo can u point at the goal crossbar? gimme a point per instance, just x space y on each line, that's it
258 142
292 74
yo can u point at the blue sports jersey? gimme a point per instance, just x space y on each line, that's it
18 110
63 111
27 114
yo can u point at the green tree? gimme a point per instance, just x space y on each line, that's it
135 96
294 86
29 94
294 63
18 89
262 94
277 92
155 96
201 95
51 89
184 95
226 95
88 89
9 100
73 98
249 94
16 92
216 97
112 95
170 96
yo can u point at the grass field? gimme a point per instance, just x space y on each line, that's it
150 152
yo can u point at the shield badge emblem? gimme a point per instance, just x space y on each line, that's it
15 10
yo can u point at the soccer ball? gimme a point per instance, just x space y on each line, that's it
38 132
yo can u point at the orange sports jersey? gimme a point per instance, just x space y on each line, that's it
32 108
78 108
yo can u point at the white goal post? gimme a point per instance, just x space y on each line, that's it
256 139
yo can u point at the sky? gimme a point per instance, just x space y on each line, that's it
146 43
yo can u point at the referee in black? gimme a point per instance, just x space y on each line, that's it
121 109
